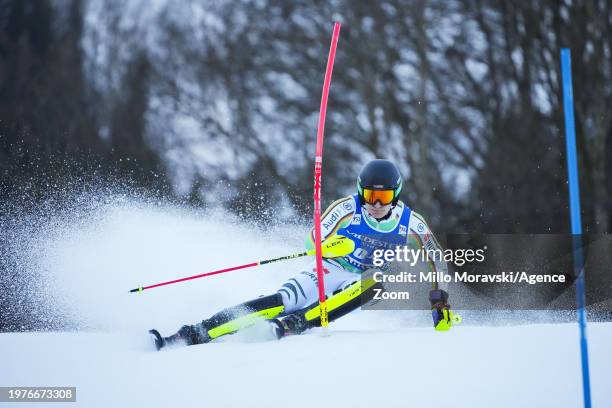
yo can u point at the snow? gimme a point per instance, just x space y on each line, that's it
372 358
529 366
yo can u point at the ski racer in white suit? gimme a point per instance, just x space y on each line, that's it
374 218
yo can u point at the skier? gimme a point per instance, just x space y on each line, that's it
373 218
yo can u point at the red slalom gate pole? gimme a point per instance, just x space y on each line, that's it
317 176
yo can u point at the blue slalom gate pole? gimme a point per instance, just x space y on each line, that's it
574 193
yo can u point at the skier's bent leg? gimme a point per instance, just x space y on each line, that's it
341 302
302 290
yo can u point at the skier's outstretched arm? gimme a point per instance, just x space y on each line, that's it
420 232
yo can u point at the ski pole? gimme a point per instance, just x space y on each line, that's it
333 247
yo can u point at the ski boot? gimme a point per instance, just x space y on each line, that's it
187 335
289 325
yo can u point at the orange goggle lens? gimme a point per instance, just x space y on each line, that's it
383 196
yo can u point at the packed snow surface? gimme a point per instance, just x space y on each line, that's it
372 358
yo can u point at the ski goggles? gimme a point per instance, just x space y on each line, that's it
385 197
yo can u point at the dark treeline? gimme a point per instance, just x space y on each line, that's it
54 127
178 96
